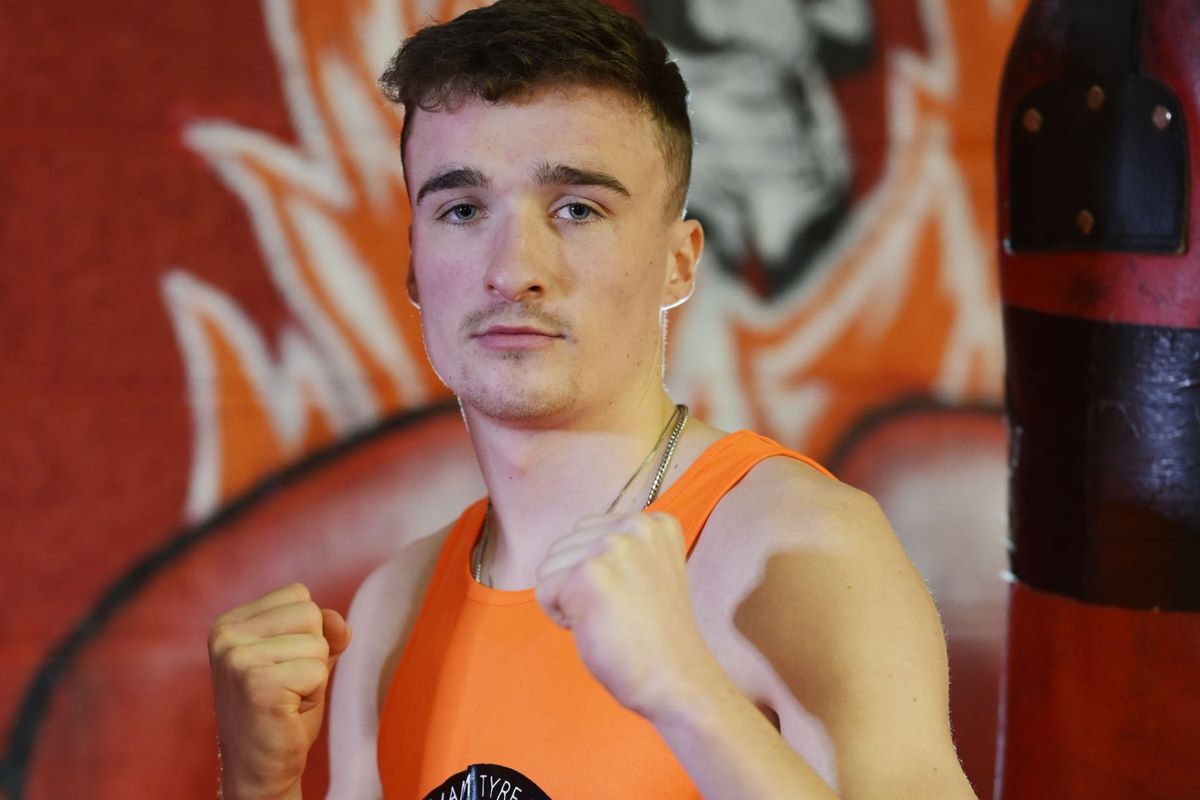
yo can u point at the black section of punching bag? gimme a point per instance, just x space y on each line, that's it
1099 155
1105 459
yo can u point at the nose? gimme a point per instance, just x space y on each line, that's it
522 261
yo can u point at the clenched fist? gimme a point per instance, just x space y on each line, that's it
271 661
619 583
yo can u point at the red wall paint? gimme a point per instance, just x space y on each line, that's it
100 195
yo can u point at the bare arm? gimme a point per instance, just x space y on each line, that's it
814 579
382 615
851 636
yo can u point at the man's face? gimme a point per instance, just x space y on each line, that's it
542 251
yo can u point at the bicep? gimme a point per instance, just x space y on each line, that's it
856 641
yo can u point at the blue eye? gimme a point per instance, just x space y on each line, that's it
463 212
579 212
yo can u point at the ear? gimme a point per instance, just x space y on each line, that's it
687 242
410 280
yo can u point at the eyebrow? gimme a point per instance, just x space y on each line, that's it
455 178
564 175
546 175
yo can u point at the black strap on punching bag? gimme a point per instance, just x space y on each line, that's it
1105 485
1099 154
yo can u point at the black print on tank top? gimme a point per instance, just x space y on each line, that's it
487 782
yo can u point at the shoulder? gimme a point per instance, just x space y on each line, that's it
826 538
782 507
786 502
386 603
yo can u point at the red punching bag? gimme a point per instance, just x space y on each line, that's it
1098 168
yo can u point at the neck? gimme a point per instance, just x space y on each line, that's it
542 480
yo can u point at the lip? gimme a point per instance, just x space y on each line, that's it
516 337
517 330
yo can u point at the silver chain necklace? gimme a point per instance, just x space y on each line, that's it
679 418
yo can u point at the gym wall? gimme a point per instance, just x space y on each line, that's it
213 383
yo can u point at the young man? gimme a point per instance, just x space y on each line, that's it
755 632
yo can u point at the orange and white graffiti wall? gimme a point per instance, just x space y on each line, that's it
213 382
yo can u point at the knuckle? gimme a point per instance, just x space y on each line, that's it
313 671
631 520
659 520
310 618
594 570
665 526
221 637
298 592
230 616
643 527
239 659
322 645
620 545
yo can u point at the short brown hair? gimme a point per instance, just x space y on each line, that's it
518 47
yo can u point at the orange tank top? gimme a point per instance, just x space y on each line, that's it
490 700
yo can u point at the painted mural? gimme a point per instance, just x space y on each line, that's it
234 242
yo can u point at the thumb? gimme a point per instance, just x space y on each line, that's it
336 631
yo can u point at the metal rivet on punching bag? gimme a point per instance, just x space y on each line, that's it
1085 222
1161 117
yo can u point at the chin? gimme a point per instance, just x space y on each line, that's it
512 399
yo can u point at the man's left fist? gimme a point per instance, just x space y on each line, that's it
619 583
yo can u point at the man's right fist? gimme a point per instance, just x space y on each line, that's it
271 661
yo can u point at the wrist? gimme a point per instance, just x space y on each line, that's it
693 699
232 790
239 781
